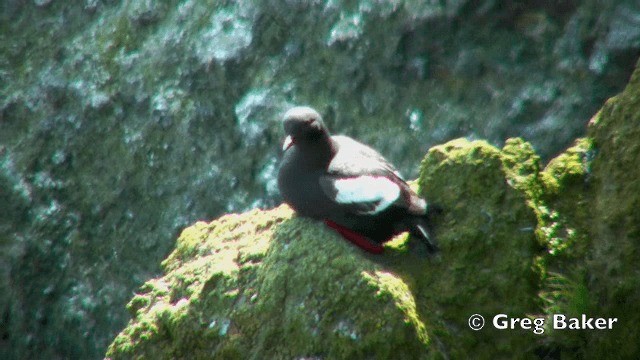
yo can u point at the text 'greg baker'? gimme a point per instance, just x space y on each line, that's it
537 324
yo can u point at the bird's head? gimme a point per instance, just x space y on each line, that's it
303 125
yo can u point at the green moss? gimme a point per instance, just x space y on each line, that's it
392 287
487 240
589 222
202 274
563 211
263 284
613 222
522 168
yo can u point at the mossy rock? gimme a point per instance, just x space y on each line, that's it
267 284
515 239
488 245
590 222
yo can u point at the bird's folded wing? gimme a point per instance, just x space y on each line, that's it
355 159
365 195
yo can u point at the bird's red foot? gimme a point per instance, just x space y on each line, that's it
357 239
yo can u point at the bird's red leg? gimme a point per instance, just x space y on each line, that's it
357 239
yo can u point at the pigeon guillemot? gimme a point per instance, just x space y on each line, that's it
347 184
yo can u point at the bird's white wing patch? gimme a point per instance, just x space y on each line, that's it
377 190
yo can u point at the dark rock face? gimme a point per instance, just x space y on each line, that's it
122 123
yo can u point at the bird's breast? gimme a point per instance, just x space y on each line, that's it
299 187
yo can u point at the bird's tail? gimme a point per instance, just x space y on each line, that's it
421 227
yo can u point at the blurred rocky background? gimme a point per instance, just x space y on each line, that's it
123 122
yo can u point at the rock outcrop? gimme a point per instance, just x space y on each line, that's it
516 239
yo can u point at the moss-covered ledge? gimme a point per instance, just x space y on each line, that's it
267 284
516 239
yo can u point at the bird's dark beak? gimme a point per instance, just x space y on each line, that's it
288 142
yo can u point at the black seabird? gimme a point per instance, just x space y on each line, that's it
347 184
